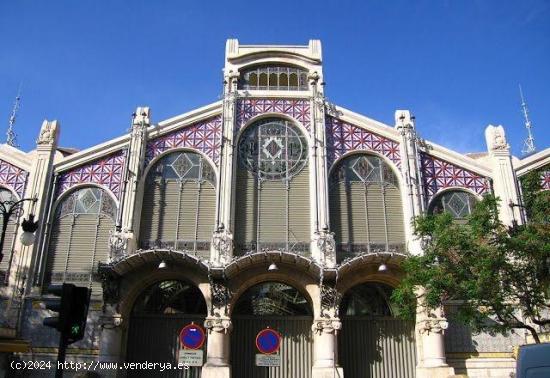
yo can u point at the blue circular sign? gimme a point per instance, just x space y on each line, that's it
268 341
192 336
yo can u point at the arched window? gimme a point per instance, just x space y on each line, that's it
367 299
79 237
272 299
7 197
366 212
179 204
272 193
274 77
458 203
170 297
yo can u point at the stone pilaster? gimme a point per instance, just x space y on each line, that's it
325 344
39 185
110 340
322 247
222 240
123 240
412 193
430 328
218 348
504 177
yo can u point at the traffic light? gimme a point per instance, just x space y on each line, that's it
72 306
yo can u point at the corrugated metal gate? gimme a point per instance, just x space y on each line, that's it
296 346
154 338
377 348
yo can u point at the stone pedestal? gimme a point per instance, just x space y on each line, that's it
325 364
110 342
217 352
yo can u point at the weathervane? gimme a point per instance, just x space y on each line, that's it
11 136
529 143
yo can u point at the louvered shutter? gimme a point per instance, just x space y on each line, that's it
273 228
7 248
245 208
58 248
299 217
394 210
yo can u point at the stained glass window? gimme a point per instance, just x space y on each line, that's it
89 200
457 203
183 166
273 149
364 168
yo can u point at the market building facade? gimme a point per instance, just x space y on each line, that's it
269 208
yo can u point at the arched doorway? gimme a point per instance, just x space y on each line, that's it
158 315
373 343
280 307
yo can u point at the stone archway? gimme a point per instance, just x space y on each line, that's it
281 307
373 343
158 314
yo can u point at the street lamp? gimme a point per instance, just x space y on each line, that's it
8 209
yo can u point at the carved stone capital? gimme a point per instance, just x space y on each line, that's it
110 283
48 132
218 324
432 325
329 325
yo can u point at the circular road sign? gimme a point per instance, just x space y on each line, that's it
192 336
268 341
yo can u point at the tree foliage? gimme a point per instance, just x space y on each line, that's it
497 273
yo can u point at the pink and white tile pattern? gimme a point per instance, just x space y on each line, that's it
343 137
299 109
545 181
204 136
439 174
106 171
13 177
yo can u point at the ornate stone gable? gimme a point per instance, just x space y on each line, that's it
299 109
204 136
13 177
439 174
106 171
343 137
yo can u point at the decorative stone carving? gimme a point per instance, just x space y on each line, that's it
142 116
433 325
118 244
222 242
218 324
496 138
327 246
330 325
220 296
330 300
110 283
48 132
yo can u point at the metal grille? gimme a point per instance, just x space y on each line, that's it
154 338
377 348
296 346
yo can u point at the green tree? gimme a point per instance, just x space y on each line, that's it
496 272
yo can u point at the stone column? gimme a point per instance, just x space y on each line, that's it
221 250
325 343
412 192
218 350
430 328
110 341
123 240
322 246
505 184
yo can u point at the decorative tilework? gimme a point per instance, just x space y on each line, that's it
545 180
13 177
204 136
439 174
106 171
343 137
250 107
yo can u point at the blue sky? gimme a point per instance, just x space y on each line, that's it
455 64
